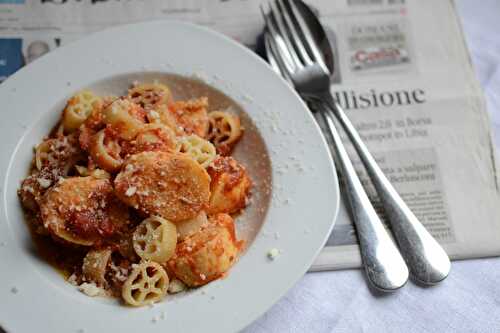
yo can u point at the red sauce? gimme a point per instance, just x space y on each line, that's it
226 166
89 225
85 137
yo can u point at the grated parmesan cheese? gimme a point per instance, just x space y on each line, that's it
90 289
120 273
154 114
72 279
176 286
44 183
273 254
29 189
131 191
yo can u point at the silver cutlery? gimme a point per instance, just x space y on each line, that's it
384 266
299 58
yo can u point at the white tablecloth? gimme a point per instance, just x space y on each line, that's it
467 301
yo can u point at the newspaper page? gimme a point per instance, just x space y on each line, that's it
403 75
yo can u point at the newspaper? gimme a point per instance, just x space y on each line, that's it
403 75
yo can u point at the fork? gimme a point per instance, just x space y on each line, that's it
299 58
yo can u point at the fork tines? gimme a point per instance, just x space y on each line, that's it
291 35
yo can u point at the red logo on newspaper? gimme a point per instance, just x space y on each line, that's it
378 57
366 56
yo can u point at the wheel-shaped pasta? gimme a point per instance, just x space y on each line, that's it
207 254
94 123
150 95
172 186
224 131
230 186
125 118
147 284
155 239
54 158
198 149
42 152
190 227
94 266
31 191
82 210
35 185
57 153
105 151
78 108
163 116
154 137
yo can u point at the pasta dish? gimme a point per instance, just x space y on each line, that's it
134 196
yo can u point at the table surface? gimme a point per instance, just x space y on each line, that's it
467 301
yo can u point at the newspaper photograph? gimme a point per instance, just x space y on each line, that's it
415 101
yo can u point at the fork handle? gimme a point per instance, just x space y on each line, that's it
428 262
384 266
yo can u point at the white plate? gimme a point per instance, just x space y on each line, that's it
303 203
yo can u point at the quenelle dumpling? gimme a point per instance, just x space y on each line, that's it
82 210
230 186
150 96
207 254
172 186
189 227
153 137
191 116
184 117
